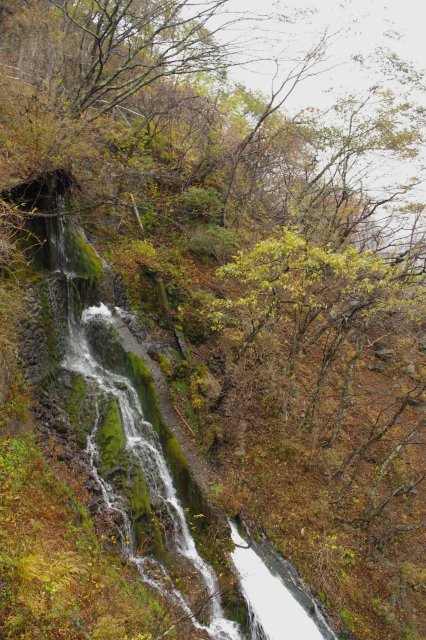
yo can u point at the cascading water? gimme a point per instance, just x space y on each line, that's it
274 614
143 443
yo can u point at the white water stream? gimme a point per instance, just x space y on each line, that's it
143 443
274 613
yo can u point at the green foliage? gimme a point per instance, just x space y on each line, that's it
11 453
203 201
195 323
413 574
211 238
54 575
288 263
216 489
350 619
144 250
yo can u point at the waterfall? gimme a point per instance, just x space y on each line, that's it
144 445
274 612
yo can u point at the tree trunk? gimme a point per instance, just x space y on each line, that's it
344 398
370 505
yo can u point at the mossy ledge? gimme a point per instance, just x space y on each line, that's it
112 443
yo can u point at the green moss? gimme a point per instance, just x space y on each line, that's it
81 412
110 436
52 354
76 399
164 363
84 518
174 453
81 438
157 539
79 387
85 262
139 496
142 379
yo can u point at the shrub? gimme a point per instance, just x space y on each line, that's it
201 201
212 239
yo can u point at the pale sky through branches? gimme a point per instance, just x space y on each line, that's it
355 27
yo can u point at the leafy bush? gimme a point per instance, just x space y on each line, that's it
212 239
201 201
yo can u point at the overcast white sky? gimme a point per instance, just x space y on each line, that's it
356 27
361 26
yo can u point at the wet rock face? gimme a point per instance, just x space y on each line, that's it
217 363
121 299
43 330
75 255
69 407
74 398
157 349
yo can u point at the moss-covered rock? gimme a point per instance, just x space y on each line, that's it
143 382
82 256
138 494
110 436
157 538
81 438
76 399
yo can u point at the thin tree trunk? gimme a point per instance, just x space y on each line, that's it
380 542
344 398
227 384
273 307
370 505
401 489
135 209
366 445
329 357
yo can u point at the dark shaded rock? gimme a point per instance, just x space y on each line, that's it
164 350
377 366
93 507
181 345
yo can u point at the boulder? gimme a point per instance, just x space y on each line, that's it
385 353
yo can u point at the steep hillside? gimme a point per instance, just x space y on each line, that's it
283 302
